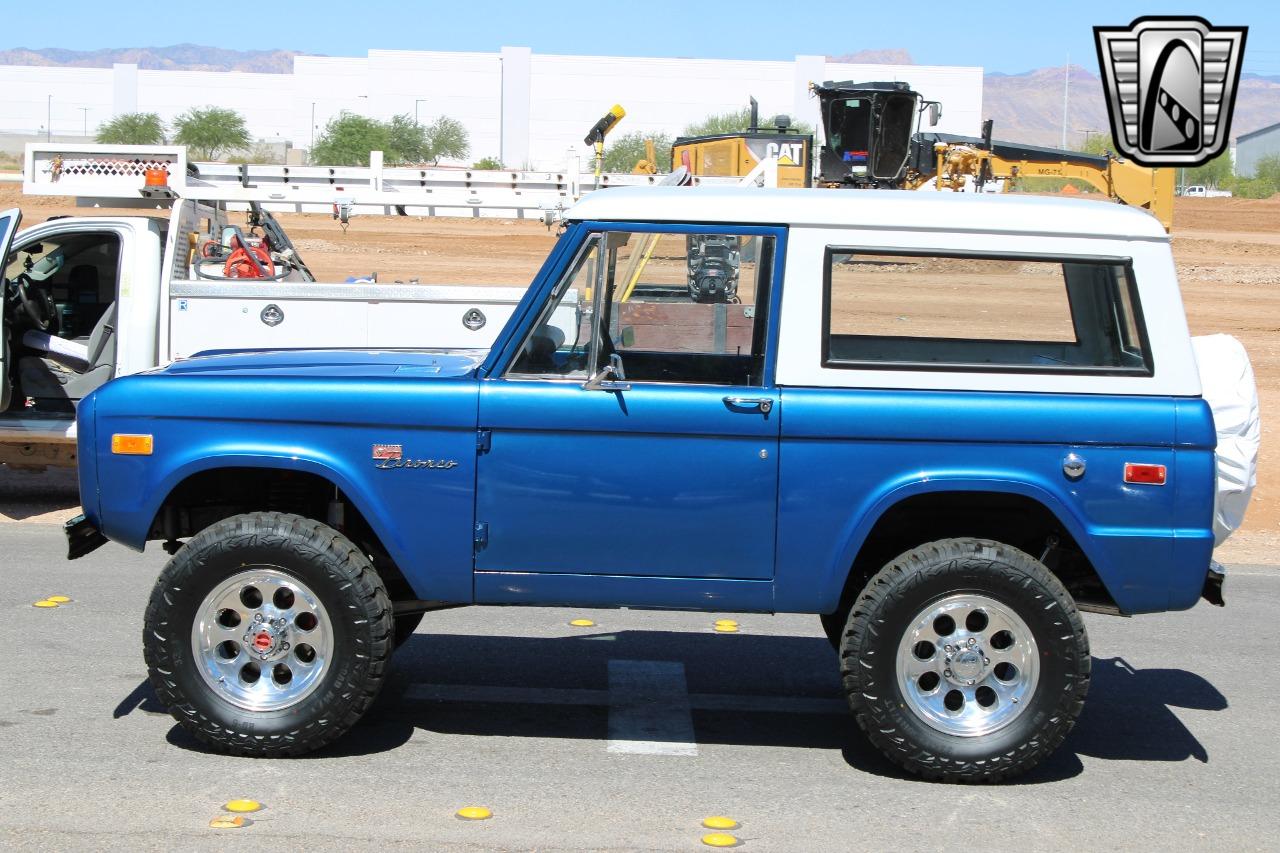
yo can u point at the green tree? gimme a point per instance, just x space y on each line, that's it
623 152
347 140
1218 172
1265 181
736 121
490 163
211 132
407 141
447 137
132 129
1098 144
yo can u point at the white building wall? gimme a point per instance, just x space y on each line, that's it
25 106
557 98
323 88
263 99
463 86
569 93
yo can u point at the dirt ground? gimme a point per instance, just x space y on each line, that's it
1227 252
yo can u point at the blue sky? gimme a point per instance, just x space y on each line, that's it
1000 36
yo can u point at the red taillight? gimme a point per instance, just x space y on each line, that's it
1151 475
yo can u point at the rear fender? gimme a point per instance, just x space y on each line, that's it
867 514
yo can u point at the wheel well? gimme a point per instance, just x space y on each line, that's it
1016 520
205 498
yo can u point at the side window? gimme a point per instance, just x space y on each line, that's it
672 307
981 313
559 346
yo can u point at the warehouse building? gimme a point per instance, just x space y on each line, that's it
521 107
1252 147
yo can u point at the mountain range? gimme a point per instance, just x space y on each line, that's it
1026 107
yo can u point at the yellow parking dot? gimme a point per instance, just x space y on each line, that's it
720 839
44 602
727 629
474 813
243 806
58 599
227 821
726 622
582 623
720 822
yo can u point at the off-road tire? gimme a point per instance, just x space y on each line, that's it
348 587
881 615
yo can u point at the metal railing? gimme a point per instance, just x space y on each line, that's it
111 174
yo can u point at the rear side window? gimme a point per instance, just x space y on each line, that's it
981 313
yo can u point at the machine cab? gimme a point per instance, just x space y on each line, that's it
868 130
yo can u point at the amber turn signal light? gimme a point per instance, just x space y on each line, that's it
131 445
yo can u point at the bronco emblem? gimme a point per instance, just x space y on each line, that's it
417 463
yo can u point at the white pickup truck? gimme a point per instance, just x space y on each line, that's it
90 298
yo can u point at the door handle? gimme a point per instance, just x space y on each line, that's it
764 404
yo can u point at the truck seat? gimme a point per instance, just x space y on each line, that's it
46 379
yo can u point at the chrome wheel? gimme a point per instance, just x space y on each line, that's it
262 640
967 665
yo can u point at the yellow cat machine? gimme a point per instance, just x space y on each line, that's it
736 154
874 140
946 162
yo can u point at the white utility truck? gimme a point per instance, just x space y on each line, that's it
87 299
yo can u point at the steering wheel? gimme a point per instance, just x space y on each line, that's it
39 307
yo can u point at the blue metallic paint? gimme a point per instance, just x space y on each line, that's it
660 480
569 468
849 456
423 517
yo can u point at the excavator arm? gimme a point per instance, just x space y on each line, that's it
959 160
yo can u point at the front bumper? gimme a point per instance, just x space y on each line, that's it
1214 581
82 537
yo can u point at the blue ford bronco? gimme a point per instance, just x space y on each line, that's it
946 424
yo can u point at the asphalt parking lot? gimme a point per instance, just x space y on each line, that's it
518 711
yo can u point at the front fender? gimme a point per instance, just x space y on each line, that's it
310 461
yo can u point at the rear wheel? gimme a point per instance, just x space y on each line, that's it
965 660
268 634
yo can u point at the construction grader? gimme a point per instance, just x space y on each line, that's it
874 139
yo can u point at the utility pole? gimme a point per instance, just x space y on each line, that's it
313 129
1066 95
48 119
415 109
85 110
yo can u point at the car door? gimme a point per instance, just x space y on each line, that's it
634 433
9 221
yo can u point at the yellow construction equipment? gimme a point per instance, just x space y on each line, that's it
738 153
874 140
966 164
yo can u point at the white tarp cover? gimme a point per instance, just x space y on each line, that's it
1227 380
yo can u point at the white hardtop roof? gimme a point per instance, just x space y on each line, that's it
928 210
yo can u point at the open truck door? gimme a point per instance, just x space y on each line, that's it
9 221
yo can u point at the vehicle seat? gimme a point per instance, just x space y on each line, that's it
45 379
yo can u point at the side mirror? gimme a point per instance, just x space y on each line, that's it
935 113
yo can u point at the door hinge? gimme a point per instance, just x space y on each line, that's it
482 535
484 441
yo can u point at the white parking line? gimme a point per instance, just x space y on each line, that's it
735 702
649 710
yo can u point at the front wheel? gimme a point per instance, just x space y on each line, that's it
268 634
965 660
